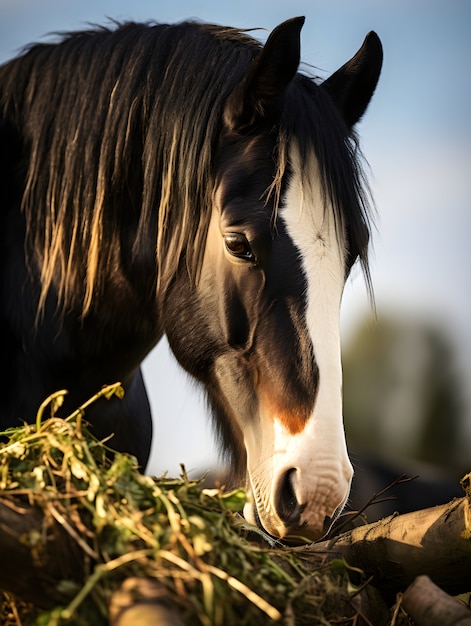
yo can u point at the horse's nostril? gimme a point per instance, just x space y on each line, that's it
287 506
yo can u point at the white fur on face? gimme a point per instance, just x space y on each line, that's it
317 453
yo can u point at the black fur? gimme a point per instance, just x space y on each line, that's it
112 143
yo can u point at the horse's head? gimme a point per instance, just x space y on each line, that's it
280 245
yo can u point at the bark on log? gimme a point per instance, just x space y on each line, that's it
397 549
428 605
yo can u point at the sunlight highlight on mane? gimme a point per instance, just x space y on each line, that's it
275 190
122 164
107 155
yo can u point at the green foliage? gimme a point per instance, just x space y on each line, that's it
125 524
403 395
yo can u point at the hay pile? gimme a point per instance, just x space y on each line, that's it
122 525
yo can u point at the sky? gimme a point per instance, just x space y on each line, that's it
416 137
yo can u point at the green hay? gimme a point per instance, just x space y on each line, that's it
189 539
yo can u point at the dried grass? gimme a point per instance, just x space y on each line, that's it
192 541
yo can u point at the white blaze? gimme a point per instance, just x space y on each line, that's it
312 228
315 458
319 452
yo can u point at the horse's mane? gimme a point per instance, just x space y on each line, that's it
118 124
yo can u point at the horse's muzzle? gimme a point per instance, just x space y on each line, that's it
290 516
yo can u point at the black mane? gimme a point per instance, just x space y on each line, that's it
105 112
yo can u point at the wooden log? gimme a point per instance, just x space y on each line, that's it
428 605
397 549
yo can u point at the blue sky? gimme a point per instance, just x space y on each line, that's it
416 137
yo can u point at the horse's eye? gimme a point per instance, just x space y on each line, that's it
238 246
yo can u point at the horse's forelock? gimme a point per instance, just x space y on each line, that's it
312 123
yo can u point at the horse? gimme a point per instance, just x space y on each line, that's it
191 181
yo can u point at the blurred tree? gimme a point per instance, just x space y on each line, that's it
403 392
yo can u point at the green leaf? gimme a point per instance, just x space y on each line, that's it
234 500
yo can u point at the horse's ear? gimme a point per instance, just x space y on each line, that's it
352 86
260 93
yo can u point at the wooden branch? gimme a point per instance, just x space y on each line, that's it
428 605
397 549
